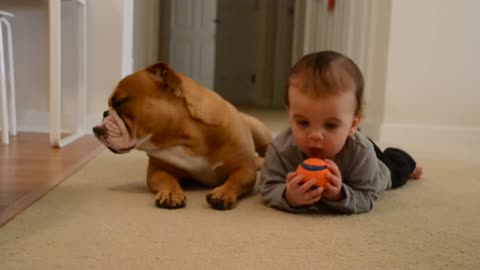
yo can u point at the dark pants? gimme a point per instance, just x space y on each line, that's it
400 163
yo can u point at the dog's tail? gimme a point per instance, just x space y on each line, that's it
261 134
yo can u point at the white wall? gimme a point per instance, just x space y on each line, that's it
432 86
428 56
30 57
105 51
30 37
375 74
146 23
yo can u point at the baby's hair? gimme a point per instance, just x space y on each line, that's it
326 72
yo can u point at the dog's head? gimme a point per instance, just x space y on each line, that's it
134 104
151 101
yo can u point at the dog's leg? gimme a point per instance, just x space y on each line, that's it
168 192
240 183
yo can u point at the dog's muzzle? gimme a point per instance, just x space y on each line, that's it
113 133
101 132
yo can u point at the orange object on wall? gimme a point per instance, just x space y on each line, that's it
331 5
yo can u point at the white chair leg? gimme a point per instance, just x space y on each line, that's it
82 67
55 63
55 76
3 91
11 80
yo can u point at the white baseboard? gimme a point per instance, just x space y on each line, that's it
32 121
434 136
430 135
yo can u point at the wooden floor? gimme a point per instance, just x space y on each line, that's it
30 167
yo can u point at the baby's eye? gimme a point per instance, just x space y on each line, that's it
331 126
303 123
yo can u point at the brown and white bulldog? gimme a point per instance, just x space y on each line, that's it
188 132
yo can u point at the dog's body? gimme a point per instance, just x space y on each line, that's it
187 131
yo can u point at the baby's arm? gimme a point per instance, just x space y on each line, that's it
273 181
363 184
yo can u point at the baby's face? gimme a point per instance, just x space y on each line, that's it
320 125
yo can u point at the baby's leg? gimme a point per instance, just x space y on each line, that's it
402 166
417 173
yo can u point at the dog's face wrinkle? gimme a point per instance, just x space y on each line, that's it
128 125
120 105
123 101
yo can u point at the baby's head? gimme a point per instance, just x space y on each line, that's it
326 73
324 100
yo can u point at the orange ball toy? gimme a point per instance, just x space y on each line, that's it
314 168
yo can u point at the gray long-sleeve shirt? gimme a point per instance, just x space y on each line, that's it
364 176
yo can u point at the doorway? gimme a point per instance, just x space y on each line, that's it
247 54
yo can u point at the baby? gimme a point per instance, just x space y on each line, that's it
324 101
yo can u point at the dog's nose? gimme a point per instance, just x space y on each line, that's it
105 114
100 132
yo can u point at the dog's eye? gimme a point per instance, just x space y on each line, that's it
117 103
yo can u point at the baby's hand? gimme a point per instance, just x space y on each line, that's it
333 189
297 195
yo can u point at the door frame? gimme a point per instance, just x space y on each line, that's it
305 38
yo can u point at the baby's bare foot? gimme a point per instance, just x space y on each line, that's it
417 173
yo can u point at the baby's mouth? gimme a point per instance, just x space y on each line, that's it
315 152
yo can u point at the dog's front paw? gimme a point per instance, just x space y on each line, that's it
171 200
221 200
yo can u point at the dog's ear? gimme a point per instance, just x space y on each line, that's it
165 76
200 104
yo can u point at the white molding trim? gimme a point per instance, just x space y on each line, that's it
430 135
127 38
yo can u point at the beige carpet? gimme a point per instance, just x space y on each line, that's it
103 217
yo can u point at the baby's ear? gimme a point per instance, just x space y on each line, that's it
164 76
355 125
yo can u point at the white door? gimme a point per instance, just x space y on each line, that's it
237 44
192 39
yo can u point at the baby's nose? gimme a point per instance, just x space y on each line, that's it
315 136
